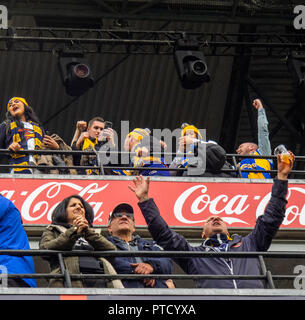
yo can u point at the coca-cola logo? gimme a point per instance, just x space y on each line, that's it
40 203
234 209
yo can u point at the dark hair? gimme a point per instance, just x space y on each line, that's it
29 115
59 215
99 119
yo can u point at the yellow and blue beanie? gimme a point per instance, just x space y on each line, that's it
187 126
139 133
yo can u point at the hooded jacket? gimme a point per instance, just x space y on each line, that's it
259 239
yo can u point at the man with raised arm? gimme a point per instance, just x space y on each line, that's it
217 238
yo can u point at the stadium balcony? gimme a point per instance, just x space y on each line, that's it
184 202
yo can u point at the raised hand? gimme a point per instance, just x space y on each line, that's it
284 168
141 188
257 104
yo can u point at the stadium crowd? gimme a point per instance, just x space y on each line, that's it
22 130
71 227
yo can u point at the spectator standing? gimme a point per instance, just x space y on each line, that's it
262 149
21 130
88 138
148 154
208 152
217 238
13 237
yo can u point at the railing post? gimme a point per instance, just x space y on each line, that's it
237 168
67 279
266 272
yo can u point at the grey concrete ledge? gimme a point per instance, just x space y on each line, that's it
152 294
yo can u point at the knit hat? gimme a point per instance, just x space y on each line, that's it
17 98
139 133
186 126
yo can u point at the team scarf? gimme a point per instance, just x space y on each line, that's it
256 164
90 145
218 240
22 159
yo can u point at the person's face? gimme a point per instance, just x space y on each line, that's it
191 133
122 224
16 108
213 225
127 143
244 149
95 129
74 209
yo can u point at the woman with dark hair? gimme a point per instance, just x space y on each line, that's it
72 229
21 130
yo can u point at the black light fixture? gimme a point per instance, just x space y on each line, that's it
75 72
190 64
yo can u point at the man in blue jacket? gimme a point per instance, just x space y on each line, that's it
217 238
121 226
13 237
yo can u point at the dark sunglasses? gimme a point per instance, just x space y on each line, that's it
121 214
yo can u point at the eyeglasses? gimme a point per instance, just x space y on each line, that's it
121 214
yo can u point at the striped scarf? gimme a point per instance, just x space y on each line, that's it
218 240
256 164
22 159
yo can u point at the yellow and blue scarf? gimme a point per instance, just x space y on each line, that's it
15 132
89 145
256 164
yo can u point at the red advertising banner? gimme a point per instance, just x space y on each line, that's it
180 203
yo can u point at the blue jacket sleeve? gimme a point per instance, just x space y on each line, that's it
160 265
269 223
160 231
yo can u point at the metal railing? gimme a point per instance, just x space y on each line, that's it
233 160
266 275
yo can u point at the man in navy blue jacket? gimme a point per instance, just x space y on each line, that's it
121 226
217 238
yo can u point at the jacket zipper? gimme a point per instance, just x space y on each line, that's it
231 271
228 265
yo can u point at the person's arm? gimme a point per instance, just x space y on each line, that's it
264 145
160 265
98 241
65 241
50 143
267 225
81 126
158 228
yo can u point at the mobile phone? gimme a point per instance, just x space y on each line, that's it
108 124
